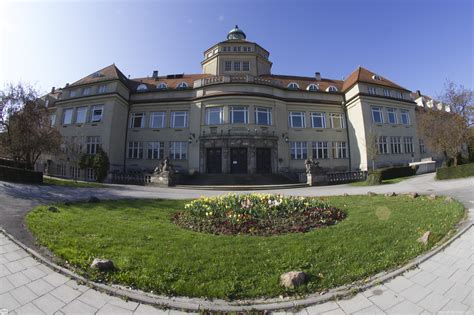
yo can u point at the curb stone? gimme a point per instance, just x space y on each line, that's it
272 304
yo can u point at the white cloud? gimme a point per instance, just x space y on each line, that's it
221 18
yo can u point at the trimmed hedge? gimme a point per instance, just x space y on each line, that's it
19 175
459 171
11 163
397 172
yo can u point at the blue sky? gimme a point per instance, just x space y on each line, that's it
418 43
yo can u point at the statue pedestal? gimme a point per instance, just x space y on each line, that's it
316 179
163 179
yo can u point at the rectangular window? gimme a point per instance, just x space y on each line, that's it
382 146
372 90
74 172
214 115
400 95
103 88
86 91
299 150
405 117
263 116
320 150
392 116
339 149
135 150
377 116
178 150
387 93
67 116
179 119
228 65
422 145
137 120
155 150
157 119
297 120
81 114
92 144
408 144
337 121
395 145
245 66
90 174
239 115
52 118
72 93
97 113
236 65
318 120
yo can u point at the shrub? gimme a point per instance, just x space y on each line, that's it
397 172
257 214
98 162
374 178
459 171
19 175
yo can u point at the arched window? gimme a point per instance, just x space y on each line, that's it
293 86
162 86
182 85
142 87
312 87
331 88
376 77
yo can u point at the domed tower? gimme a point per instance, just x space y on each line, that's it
236 56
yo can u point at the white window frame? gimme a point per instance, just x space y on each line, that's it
182 85
162 86
68 113
312 87
227 65
338 116
386 92
320 115
421 143
154 115
408 145
298 150
339 149
404 114
320 150
377 109
372 90
237 109
155 150
236 66
293 86
382 145
178 150
135 150
396 145
82 109
219 110
96 118
245 66
52 119
93 144
136 115
263 110
176 114
86 91
142 88
392 111
102 88
73 93
331 88
298 114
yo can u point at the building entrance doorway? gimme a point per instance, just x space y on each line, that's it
238 160
264 160
214 160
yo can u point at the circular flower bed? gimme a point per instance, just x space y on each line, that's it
257 214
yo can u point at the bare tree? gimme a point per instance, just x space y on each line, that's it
459 99
372 146
443 132
25 125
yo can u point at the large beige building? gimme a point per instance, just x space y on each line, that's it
235 117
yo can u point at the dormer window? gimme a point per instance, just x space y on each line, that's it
182 85
313 87
331 88
376 77
293 86
142 87
97 74
162 86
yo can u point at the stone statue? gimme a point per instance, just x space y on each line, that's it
312 166
164 166
163 174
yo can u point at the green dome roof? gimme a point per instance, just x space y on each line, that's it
236 33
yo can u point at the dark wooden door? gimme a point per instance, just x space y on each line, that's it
238 160
264 160
214 160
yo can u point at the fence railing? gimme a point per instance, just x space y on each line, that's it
346 177
131 178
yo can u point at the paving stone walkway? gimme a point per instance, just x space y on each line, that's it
442 284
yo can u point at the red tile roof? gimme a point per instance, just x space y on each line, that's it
108 73
304 82
364 75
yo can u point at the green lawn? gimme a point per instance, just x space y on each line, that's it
69 183
155 255
384 182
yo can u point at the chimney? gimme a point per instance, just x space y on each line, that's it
67 84
53 89
155 74
418 93
317 75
